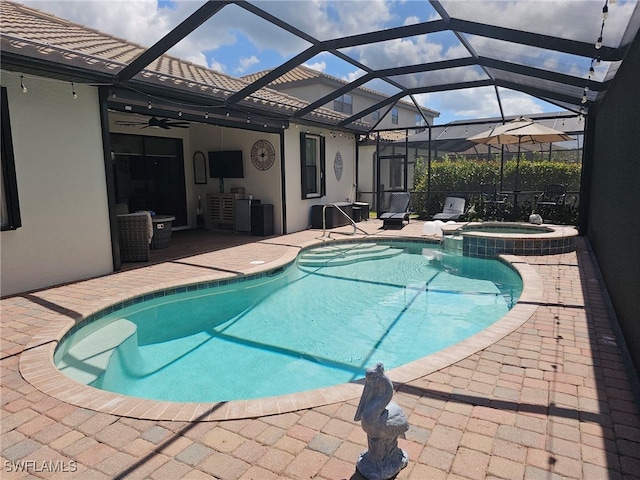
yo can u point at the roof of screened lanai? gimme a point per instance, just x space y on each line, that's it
543 49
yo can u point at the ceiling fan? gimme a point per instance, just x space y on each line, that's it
164 123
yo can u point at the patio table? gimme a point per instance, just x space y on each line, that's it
161 231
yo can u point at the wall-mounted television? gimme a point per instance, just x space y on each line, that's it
226 164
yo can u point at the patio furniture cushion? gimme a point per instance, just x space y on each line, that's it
453 209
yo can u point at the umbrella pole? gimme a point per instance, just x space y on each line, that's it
515 190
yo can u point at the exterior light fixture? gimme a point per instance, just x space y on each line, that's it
22 85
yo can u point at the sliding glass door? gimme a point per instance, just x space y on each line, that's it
149 174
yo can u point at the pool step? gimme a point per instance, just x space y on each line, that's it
336 255
88 358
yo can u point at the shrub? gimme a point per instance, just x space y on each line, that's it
464 177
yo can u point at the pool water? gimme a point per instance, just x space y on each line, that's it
323 321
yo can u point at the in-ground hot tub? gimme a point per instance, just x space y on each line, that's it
488 239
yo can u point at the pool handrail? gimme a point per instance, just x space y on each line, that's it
336 206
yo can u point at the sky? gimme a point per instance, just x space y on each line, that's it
238 43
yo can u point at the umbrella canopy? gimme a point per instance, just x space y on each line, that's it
520 130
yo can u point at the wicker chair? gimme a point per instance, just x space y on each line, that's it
135 231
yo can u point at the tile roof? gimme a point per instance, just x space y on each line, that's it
39 36
306 74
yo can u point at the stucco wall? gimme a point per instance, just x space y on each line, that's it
298 209
614 216
61 187
262 184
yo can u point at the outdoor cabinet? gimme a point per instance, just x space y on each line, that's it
243 214
262 219
333 217
221 210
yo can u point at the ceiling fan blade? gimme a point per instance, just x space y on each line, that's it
164 123
129 123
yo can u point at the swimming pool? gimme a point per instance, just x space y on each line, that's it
319 322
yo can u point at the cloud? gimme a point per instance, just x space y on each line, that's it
318 66
139 21
246 63
480 102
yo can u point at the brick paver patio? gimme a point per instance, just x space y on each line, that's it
550 399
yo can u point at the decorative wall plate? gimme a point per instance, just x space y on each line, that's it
338 166
263 155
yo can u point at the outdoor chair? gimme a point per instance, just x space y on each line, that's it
492 201
453 209
135 231
554 195
552 199
398 210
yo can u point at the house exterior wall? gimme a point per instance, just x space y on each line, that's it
299 209
361 101
264 185
61 187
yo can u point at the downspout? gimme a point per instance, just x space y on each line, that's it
283 184
103 95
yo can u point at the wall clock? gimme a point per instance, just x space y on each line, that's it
263 155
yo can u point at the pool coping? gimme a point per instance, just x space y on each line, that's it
38 368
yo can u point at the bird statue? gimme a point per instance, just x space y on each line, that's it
383 421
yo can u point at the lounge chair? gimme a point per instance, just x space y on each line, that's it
398 211
453 209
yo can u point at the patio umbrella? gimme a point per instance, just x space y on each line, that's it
521 131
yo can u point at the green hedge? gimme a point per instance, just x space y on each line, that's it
464 177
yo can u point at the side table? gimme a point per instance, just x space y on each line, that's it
161 231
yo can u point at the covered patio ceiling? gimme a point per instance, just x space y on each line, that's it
563 53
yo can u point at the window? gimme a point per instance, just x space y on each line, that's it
375 115
312 165
420 122
343 104
394 116
10 208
